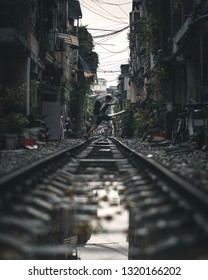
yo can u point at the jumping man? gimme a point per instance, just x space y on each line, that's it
102 116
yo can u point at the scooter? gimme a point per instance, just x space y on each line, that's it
42 128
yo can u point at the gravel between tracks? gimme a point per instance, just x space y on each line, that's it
11 160
191 164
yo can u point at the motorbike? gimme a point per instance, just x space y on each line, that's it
41 128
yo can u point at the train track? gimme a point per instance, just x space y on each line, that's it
101 199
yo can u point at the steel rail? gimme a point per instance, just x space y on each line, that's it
164 209
196 196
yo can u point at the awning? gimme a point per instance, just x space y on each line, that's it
83 66
69 39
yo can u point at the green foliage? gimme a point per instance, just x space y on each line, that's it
86 47
160 82
150 34
127 122
13 123
141 118
90 106
12 100
133 123
80 92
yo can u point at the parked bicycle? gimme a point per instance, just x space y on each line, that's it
191 124
180 128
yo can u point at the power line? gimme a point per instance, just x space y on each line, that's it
109 34
114 34
112 68
105 10
121 51
123 10
117 31
101 44
108 71
115 67
112 62
101 15
108 38
115 4
107 56
100 29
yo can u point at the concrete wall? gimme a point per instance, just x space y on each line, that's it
13 67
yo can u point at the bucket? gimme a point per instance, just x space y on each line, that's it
29 142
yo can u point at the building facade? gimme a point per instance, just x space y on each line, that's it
39 48
168 49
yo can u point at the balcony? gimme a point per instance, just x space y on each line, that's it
14 26
69 39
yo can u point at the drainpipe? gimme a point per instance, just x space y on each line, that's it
28 87
201 64
171 48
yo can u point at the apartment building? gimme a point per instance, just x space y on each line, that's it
168 49
39 47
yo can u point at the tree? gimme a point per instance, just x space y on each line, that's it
83 88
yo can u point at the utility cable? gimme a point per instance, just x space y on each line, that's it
113 66
102 15
115 4
123 10
112 62
100 29
105 10
109 34
107 57
126 27
105 40
121 51
108 71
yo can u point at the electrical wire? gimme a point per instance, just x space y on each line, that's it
108 71
112 62
105 10
102 15
121 51
115 67
108 34
114 32
107 57
115 4
107 39
123 10
111 69
100 29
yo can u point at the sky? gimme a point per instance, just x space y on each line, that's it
103 18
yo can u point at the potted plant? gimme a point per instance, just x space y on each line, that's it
12 118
